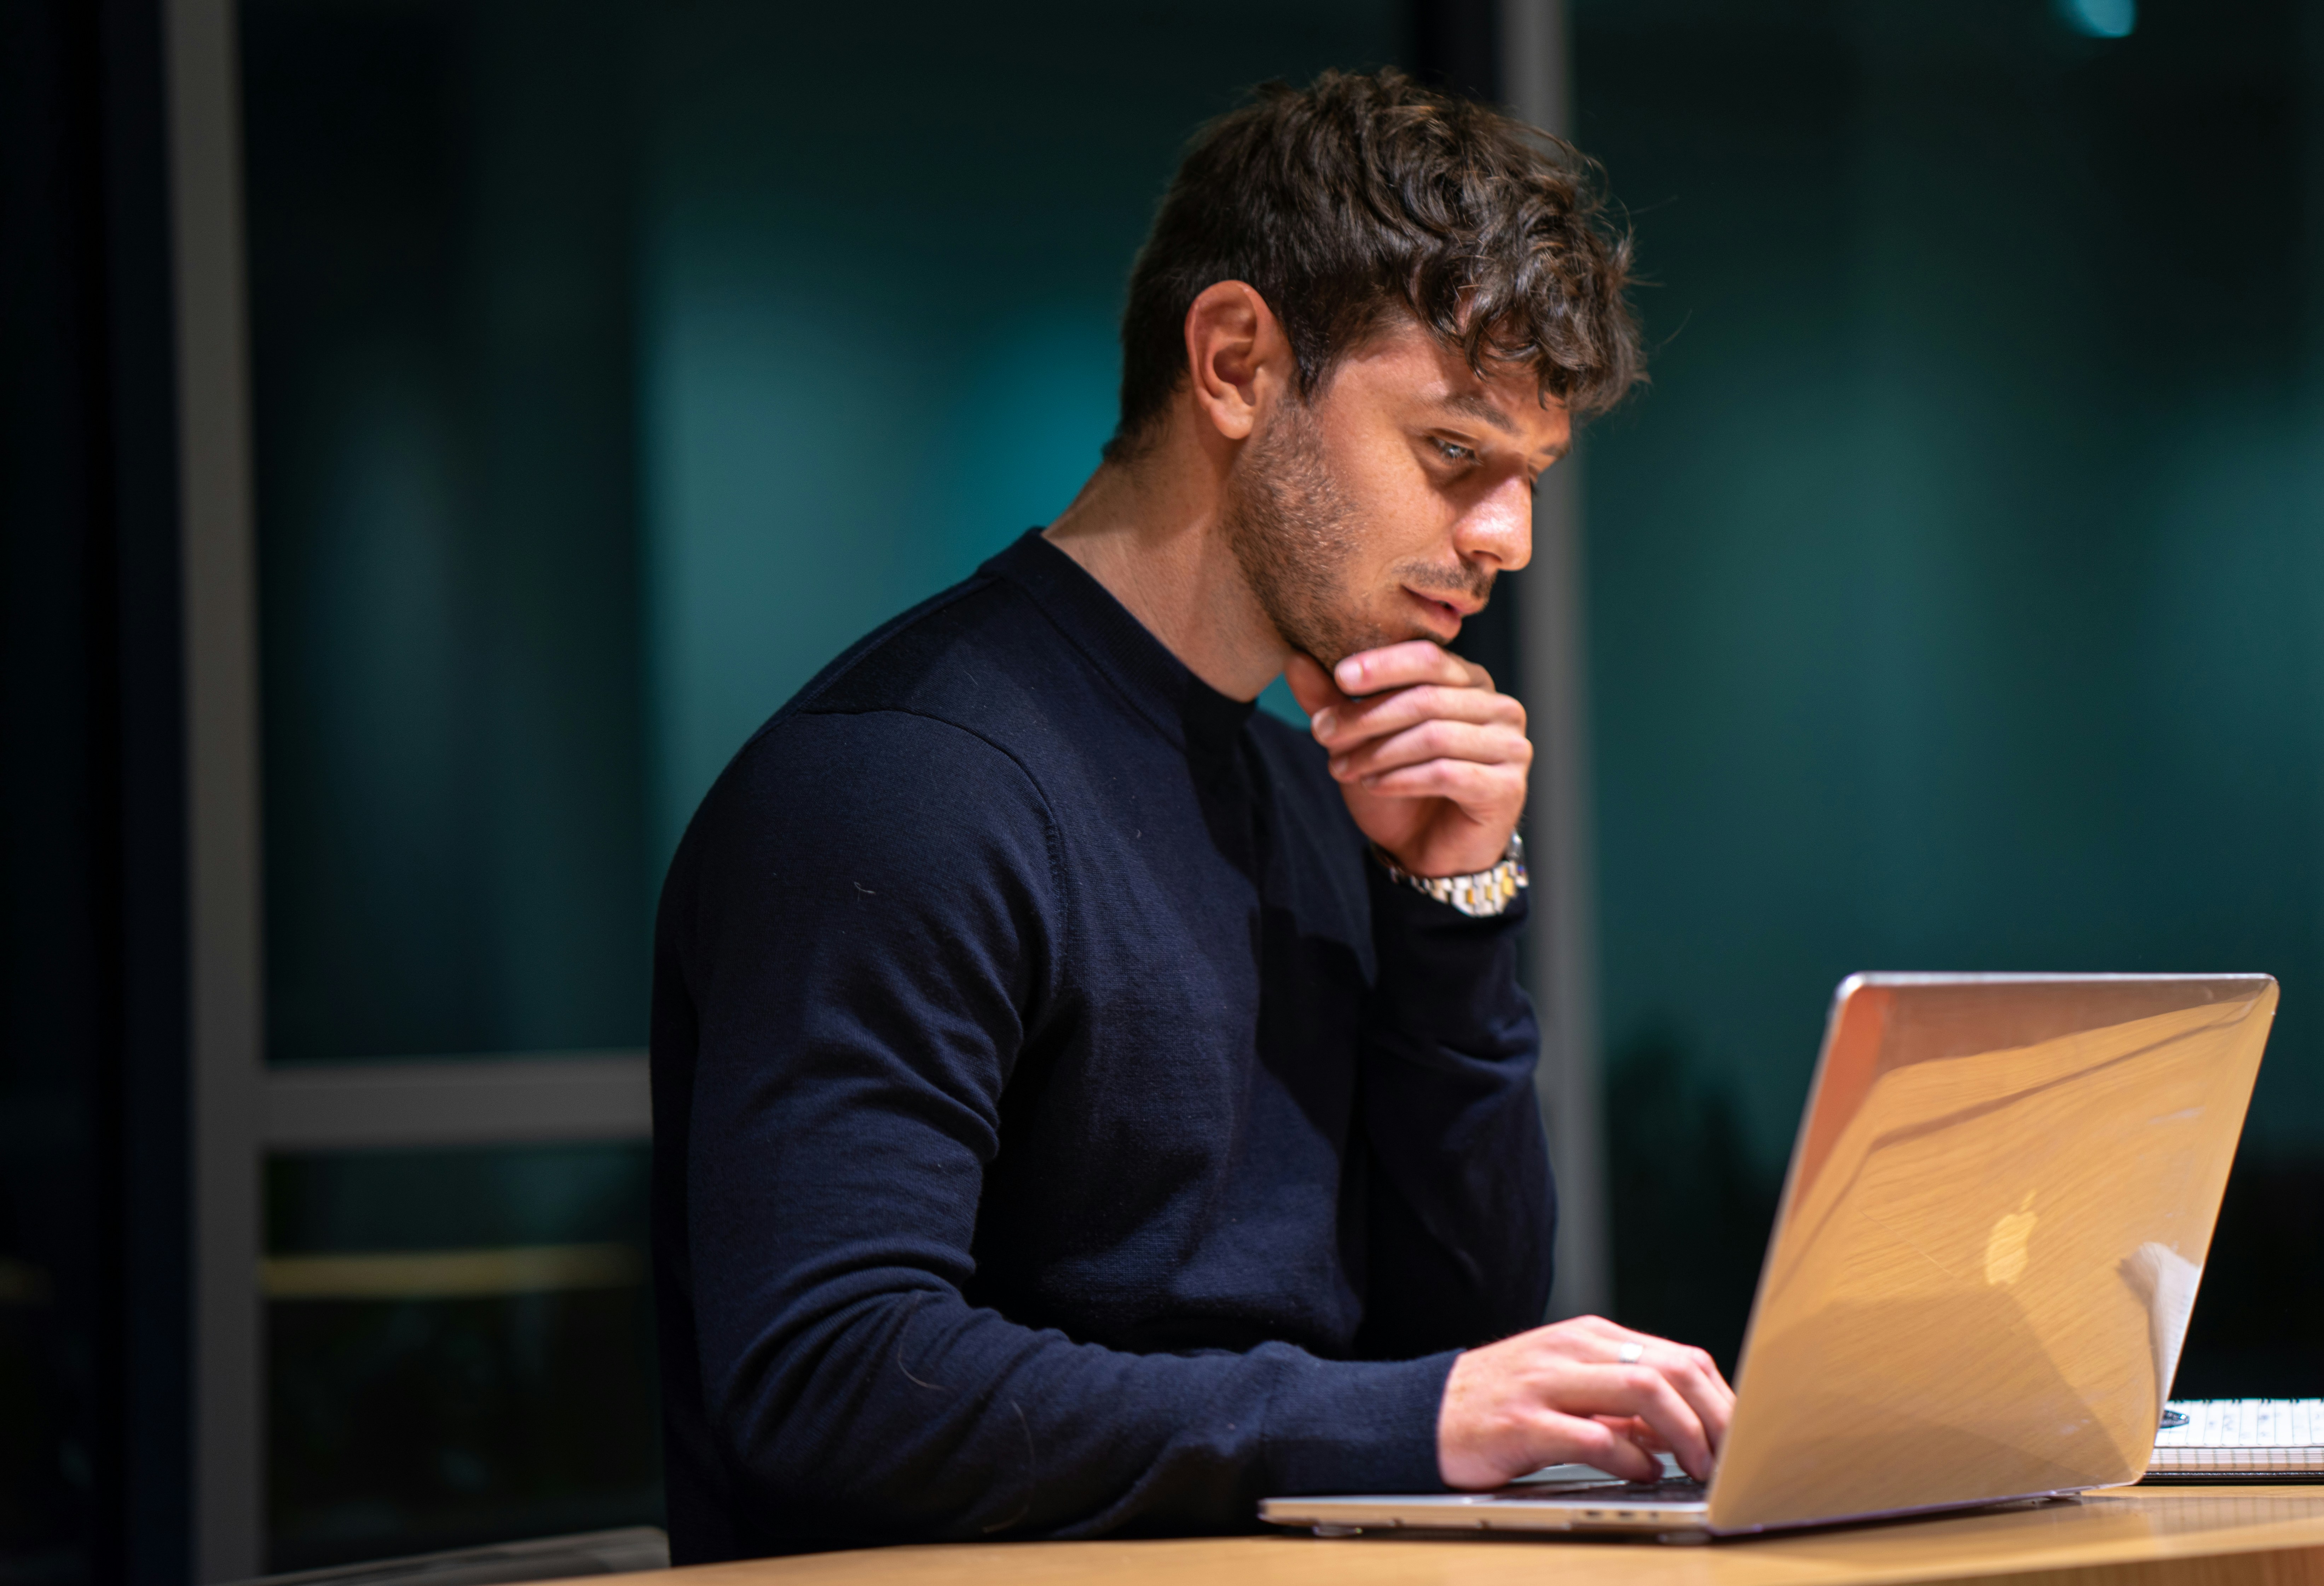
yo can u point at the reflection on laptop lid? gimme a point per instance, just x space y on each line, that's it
1982 1268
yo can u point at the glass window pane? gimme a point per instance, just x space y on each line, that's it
459 1350
439 215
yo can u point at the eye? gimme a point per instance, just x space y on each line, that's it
1453 452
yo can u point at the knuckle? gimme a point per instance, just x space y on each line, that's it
1422 703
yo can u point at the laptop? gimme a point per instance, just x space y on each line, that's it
1982 1269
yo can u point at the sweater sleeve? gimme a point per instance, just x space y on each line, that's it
869 921
1463 1216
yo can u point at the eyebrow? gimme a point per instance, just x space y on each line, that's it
1476 407
1470 405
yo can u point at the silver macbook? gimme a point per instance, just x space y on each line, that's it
1982 1265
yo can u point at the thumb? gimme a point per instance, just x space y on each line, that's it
1310 683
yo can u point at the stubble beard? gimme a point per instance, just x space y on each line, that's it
1296 536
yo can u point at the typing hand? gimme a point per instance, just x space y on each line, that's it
1431 761
1565 1395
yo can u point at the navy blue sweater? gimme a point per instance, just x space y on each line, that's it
1061 1127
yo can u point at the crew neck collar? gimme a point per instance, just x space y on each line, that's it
1158 684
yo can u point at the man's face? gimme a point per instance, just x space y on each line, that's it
1381 511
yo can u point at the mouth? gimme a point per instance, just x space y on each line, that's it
1444 617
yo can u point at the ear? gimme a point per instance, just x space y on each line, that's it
1240 359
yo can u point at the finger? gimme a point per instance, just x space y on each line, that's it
1642 1391
1695 1376
1310 683
1481 791
1399 666
1691 1370
1343 725
1677 1430
1607 1443
1637 1432
1492 744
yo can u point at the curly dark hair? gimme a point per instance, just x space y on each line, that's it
1362 194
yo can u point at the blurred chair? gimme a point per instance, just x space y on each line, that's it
550 1558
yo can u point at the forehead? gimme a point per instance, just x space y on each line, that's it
1403 373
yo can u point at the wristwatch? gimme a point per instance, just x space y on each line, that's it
1485 893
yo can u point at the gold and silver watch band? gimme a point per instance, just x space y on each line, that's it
1480 896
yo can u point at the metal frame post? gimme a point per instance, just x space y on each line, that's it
1536 82
225 959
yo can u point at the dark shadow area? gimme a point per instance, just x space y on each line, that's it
93 1224
414 1426
416 1417
1691 1212
2253 1334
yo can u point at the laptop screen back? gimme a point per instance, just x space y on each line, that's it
1990 1242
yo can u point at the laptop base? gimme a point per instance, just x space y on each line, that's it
1597 1508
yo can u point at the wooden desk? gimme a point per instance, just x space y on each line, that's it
2149 1537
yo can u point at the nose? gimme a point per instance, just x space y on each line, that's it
1496 530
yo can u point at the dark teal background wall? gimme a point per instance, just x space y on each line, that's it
1956 593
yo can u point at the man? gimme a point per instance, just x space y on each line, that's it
1081 1105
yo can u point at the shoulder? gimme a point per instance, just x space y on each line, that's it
982 656
956 655
912 750
814 777
831 823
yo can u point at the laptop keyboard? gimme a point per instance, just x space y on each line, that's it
1568 1481
1684 1489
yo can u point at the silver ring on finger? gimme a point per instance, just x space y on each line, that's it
1629 1354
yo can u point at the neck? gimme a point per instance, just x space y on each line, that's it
1152 530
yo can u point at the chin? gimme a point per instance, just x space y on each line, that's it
1409 626
1343 642
1330 635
